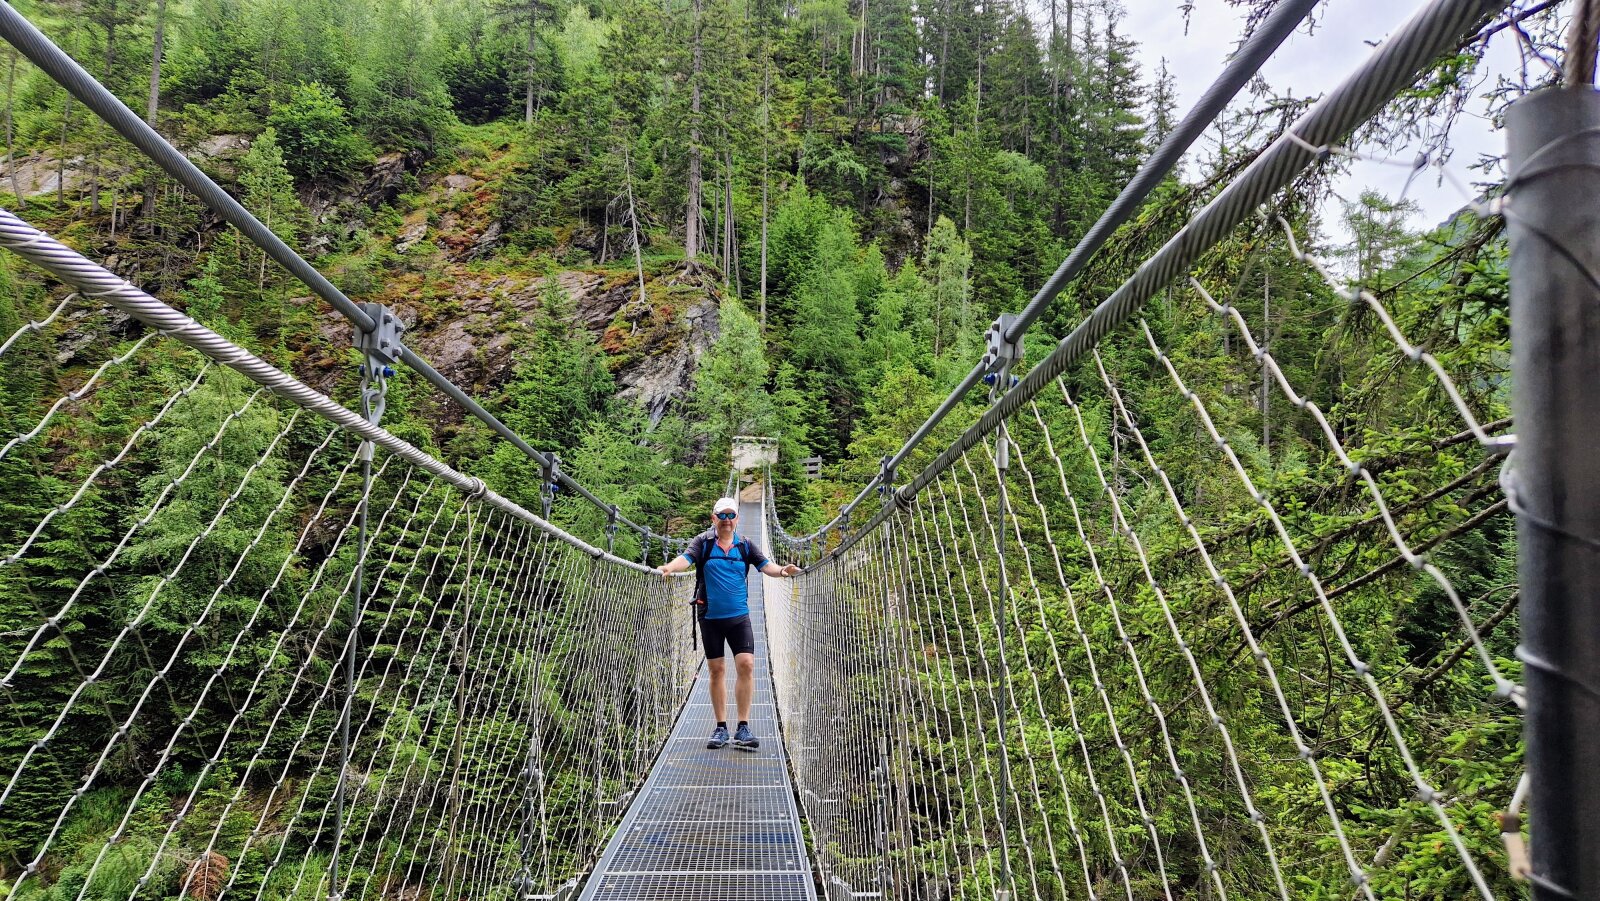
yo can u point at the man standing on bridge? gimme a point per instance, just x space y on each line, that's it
722 559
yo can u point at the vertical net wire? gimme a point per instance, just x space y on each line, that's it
176 593
1247 646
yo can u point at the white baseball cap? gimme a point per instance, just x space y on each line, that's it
724 503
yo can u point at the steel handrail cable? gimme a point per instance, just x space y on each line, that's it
65 71
1243 65
71 267
1393 64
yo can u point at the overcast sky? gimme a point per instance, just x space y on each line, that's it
1308 65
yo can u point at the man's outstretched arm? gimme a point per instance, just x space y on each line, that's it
675 565
773 569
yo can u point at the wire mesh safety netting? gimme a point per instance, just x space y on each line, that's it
178 588
1229 610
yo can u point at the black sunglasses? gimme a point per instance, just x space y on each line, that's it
729 514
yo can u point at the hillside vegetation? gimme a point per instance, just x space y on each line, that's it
637 228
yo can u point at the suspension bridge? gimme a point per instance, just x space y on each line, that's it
336 666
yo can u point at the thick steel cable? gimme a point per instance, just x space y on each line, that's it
1243 65
71 267
65 71
1396 63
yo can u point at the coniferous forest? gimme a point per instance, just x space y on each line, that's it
637 228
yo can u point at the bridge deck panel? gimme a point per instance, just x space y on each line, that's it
716 825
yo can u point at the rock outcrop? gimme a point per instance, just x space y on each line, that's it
470 329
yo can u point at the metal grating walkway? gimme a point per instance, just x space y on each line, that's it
713 825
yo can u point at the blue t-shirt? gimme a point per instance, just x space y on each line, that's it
727 594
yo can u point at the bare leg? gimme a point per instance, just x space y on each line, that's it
715 668
745 684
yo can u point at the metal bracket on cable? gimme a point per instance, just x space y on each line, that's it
547 493
1001 355
886 473
611 529
380 348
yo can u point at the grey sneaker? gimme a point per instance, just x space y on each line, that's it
719 737
745 740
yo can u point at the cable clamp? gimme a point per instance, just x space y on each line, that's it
552 476
886 473
380 348
479 489
1001 354
384 340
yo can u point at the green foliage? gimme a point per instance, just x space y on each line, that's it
315 135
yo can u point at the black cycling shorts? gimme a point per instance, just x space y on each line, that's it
736 631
